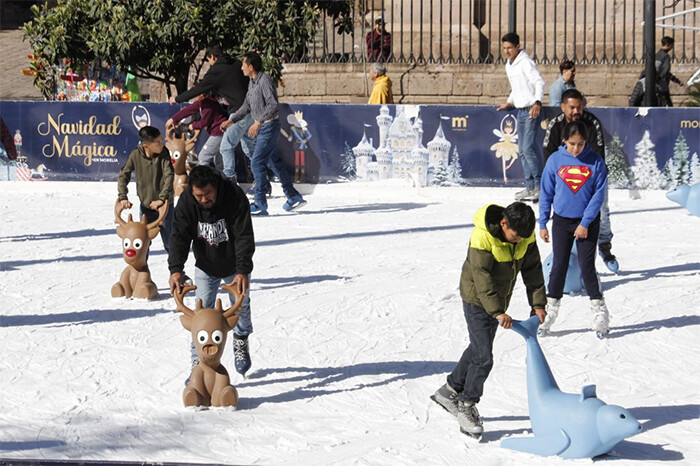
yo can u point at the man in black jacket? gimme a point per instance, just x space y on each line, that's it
572 110
663 72
213 216
225 79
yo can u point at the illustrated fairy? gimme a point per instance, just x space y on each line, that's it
507 147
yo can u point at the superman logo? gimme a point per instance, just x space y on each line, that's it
575 176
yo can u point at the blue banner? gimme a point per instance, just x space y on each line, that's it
91 140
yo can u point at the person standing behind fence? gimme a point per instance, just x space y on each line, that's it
378 42
527 91
381 91
663 72
262 105
564 82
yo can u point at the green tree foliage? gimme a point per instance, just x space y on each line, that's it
160 39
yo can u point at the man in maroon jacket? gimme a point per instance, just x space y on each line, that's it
378 42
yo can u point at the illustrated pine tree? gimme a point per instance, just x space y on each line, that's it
679 167
645 169
348 162
619 175
694 169
454 169
440 177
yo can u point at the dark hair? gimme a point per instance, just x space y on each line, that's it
215 50
252 58
574 127
566 65
202 176
667 40
571 94
521 218
379 21
511 37
148 134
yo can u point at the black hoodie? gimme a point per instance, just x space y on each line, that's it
225 79
221 237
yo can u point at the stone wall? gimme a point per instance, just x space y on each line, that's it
603 85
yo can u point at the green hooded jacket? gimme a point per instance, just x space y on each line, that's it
154 176
492 265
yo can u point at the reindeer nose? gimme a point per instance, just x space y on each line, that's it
210 349
130 252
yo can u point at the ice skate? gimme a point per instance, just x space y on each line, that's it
294 202
241 354
604 249
552 313
470 422
446 397
601 318
522 195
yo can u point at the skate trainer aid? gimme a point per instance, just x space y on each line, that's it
564 424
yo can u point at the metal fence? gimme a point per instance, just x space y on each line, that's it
469 31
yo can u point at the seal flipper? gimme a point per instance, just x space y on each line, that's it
527 328
546 445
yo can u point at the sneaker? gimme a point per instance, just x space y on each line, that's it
256 209
468 417
552 313
522 195
241 354
446 397
601 318
294 202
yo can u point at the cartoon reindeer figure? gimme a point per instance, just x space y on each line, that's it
210 384
135 280
179 146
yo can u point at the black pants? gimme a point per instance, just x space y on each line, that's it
562 241
476 362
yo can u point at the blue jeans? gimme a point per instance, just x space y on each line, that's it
473 368
238 132
266 154
207 288
605 235
532 165
166 228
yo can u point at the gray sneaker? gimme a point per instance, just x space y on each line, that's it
522 195
468 417
446 397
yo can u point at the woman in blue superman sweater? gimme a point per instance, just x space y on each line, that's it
573 183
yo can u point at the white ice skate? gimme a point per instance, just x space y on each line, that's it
552 313
601 318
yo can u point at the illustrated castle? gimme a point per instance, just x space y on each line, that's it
401 152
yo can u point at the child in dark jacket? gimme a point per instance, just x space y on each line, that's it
573 184
211 117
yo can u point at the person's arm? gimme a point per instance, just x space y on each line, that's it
243 237
166 184
637 94
270 96
207 84
547 189
533 278
596 202
124 178
538 83
551 139
597 138
185 112
180 238
480 262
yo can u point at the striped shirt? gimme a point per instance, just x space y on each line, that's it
260 101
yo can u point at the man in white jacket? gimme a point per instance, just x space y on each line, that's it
527 91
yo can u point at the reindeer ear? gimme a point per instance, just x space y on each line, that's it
186 322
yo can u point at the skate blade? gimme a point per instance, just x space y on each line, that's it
471 435
602 335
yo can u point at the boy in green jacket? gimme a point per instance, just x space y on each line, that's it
502 245
154 179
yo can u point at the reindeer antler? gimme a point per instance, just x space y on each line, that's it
195 135
236 306
162 210
180 300
118 209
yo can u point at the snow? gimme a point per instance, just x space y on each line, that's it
357 321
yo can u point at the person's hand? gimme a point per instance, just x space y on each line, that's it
171 100
126 204
544 234
253 130
241 282
156 204
176 281
505 106
225 125
170 124
540 313
505 320
535 111
581 232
